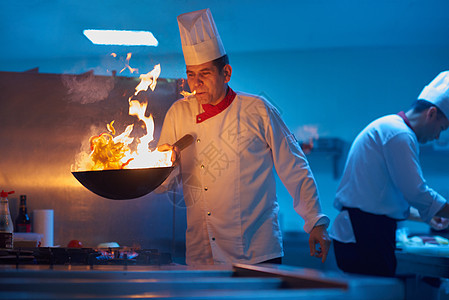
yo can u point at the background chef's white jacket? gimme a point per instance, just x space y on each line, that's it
383 176
229 181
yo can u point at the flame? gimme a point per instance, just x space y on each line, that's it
127 66
148 80
111 151
187 94
184 93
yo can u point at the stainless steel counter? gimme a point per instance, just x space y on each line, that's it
181 282
422 275
422 264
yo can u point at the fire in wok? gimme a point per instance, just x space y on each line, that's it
120 166
122 184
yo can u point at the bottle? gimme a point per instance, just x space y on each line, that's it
6 228
23 223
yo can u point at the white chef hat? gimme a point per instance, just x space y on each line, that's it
437 92
200 40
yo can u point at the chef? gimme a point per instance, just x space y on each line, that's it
383 179
228 173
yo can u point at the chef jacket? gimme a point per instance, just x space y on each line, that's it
383 176
229 181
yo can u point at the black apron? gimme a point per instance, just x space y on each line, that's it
373 252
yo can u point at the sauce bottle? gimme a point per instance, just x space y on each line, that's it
23 223
6 227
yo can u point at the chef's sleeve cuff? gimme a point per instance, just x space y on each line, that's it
324 220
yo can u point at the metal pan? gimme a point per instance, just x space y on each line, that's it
124 184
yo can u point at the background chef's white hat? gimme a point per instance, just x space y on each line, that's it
199 37
437 92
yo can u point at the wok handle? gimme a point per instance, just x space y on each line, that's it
184 142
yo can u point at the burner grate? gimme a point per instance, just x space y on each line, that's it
84 256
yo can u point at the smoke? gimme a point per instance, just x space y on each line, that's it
86 88
307 133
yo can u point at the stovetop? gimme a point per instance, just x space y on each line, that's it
83 256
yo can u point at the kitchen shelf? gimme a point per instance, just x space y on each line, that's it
335 148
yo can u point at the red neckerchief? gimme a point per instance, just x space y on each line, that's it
213 110
404 117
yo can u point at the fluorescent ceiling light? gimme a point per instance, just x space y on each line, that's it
121 37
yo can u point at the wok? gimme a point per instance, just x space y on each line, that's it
123 184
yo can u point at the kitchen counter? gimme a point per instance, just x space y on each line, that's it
422 274
423 264
239 281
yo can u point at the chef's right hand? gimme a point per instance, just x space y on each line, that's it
175 152
319 235
439 223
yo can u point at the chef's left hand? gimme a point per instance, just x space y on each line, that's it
175 152
439 223
319 235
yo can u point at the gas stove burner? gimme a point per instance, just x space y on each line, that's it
16 257
84 256
133 257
